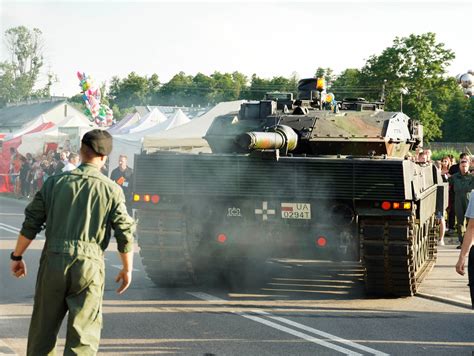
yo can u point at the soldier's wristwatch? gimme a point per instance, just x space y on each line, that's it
15 258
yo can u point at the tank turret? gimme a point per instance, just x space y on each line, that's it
306 125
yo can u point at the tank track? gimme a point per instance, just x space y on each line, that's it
164 247
397 253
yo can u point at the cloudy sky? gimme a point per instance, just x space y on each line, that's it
268 38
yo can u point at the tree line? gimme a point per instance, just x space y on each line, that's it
411 75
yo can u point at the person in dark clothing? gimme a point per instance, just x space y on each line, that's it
24 177
123 175
453 170
455 167
463 183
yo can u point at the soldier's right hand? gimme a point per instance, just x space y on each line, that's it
126 278
18 268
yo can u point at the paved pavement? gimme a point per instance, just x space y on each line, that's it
443 283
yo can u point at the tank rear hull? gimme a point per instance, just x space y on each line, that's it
238 206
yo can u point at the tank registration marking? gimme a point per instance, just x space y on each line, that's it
296 211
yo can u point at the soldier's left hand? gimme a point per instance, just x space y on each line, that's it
460 267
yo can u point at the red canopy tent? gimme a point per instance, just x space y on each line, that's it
5 156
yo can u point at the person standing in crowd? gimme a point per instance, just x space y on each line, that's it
73 162
467 250
63 161
79 209
445 163
422 157
463 183
25 177
123 175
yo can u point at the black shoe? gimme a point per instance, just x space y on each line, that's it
459 247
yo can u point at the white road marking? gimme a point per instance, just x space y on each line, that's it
12 214
210 298
326 335
4 345
120 267
9 317
13 229
8 230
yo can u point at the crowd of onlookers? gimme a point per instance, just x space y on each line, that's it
28 173
461 181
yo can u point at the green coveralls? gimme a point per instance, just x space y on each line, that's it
79 208
462 185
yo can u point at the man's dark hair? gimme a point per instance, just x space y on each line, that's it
463 155
88 152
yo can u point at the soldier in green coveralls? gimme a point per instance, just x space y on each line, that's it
79 209
463 183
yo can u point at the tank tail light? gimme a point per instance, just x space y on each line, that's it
321 241
147 198
222 238
404 205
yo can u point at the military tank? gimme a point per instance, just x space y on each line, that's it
295 178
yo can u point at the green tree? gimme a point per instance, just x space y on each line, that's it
349 85
178 91
201 90
458 124
130 91
259 86
19 74
326 73
224 87
416 63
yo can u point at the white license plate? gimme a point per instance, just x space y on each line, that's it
295 211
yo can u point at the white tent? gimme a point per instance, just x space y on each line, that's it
179 118
73 127
131 143
189 136
125 123
27 128
34 143
153 118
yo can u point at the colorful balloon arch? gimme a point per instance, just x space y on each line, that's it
101 114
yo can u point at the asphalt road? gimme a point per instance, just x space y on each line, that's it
302 308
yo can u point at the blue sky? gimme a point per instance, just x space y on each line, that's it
268 38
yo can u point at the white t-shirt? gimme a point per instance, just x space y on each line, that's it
69 167
470 207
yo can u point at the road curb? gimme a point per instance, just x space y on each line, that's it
445 300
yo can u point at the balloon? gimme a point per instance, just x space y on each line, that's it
99 113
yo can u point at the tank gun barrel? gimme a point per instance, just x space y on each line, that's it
282 136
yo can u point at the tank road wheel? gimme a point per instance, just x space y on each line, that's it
396 254
165 247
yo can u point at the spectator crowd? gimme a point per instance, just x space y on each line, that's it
28 173
460 177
